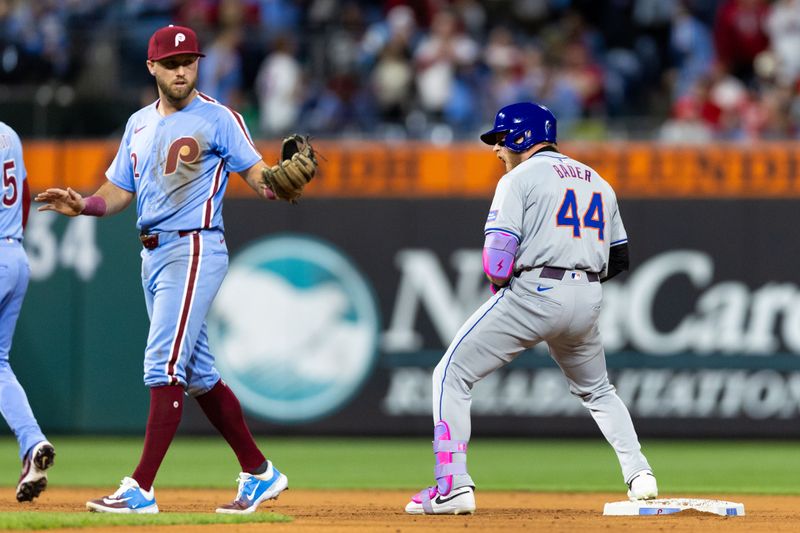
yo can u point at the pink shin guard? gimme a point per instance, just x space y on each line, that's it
443 450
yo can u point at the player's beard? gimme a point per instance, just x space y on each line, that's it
176 94
510 159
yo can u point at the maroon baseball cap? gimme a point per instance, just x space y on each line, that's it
172 41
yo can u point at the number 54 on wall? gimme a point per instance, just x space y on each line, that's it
76 249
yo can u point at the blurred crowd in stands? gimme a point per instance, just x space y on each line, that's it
675 70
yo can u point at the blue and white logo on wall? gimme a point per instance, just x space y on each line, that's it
294 328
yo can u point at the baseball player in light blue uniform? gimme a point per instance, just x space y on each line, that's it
35 451
175 158
553 233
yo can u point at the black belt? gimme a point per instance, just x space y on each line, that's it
151 241
557 273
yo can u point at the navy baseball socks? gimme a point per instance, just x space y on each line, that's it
33 479
443 498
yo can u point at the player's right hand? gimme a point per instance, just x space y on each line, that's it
67 202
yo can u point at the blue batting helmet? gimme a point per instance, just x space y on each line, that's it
524 124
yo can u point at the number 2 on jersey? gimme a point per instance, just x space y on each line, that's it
593 217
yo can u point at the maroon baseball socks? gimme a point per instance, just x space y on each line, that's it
223 410
166 406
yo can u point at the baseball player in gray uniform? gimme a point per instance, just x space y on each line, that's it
553 235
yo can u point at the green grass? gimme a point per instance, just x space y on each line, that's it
29 520
682 467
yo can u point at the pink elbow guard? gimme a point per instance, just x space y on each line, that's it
499 252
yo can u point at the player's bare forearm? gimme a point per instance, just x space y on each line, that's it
70 203
116 198
254 178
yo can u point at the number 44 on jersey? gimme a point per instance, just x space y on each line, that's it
593 217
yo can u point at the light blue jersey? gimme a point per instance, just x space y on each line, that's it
12 177
178 165
14 276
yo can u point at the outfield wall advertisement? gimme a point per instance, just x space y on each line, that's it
335 311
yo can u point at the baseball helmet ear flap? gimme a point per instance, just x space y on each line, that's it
524 124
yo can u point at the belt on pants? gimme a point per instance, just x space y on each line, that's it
151 241
558 273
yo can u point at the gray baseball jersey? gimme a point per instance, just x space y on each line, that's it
563 213
565 217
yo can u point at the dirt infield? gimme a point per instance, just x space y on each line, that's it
348 511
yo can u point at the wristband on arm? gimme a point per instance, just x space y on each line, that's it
95 206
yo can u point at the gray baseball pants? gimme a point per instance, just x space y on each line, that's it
565 314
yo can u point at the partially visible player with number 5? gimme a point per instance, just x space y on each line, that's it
36 453
175 158
553 234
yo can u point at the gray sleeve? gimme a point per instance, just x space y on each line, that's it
617 228
508 208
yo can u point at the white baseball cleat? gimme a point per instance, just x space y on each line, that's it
643 486
33 479
460 500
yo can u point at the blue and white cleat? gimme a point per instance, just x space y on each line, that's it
128 499
254 489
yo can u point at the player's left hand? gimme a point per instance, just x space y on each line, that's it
265 192
297 167
67 202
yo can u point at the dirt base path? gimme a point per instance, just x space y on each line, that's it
382 511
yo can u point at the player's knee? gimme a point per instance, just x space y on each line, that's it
439 371
198 387
453 374
597 394
157 380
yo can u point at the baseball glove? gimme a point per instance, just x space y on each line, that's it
297 166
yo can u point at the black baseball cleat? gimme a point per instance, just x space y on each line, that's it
33 479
